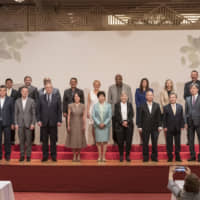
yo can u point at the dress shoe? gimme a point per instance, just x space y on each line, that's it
1 158
145 160
28 159
54 159
178 160
191 159
121 159
199 160
155 160
128 159
44 159
7 158
21 159
170 159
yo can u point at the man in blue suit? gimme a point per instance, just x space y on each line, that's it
173 122
6 121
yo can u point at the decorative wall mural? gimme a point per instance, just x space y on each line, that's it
191 52
11 44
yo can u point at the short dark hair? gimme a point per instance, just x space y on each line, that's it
194 85
101 93
8 79
74 78
77 93
27 77
2 86
173 93
149 91
192 183
24 87
194 71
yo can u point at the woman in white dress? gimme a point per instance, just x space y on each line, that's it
92 99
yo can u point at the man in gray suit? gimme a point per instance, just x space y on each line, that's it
32 93
114 94
192 112
25 118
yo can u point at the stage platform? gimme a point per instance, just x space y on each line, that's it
89 176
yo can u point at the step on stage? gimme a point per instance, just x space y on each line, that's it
89 176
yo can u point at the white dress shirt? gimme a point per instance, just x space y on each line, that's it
149 106
24 103
2 100
173 108
124 111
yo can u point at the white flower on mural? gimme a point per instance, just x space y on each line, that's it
191 52
11 44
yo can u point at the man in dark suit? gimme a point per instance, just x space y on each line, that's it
124 126
173 122
49 117
6 121
192 112
150 125
194 79
32 93
69 96
11 92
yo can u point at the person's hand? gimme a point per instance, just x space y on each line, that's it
83 129
32 127
187 170
165 130
140 130
171 172
88 115
59 124
12 127
125 124
159 129
65 114
186 126
68 129
39 124
16 127
101 125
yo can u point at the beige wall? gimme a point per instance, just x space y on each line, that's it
100 55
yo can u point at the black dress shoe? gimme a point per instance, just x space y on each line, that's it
28 159
170 159
21 159
191 159
54 159
187 144
7 158
178 160
199 160
44 159
128 159
121 159
155 160
145 160
1 158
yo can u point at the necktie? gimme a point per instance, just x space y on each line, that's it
8 92
193 100
48 99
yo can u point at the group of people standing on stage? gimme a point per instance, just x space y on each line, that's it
21 110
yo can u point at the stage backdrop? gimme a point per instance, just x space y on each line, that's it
157 55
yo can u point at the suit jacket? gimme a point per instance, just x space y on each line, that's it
68 98
192 112
32 93
7 112
26 117
106 116
171 121
164 99
14 94
118 116
51 114
112 95
187 88
150 121
55 91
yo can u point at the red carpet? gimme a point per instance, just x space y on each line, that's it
82 196
90 152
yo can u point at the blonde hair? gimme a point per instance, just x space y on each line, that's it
165 87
